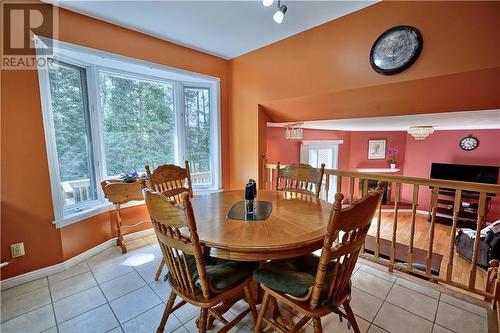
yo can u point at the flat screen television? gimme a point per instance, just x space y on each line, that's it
466 173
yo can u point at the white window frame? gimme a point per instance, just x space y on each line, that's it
62 216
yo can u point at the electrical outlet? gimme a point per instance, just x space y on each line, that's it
17 250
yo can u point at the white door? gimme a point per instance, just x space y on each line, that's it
316 153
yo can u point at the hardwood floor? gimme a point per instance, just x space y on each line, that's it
461 267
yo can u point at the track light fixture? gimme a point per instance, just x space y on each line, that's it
280 13
267 3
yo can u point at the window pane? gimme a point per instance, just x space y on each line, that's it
197 127
139 124
71 119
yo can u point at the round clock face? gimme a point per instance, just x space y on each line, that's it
396 50
469 143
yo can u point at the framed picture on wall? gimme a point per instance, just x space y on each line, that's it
376 149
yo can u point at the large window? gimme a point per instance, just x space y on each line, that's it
68 92
105 115
197 124
139 123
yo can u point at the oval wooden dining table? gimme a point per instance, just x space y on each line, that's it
297 226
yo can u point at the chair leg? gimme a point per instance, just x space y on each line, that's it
166 313
160 268
202 326
262 313
251 302
317 325
350 317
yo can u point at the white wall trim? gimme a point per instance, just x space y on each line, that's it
322 143
46 271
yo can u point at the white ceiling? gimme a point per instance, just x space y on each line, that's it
223 28
440 121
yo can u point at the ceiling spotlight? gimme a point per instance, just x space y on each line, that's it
280 13
267 3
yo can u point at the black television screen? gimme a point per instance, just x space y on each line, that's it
466 173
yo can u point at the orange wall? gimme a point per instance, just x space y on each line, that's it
26 208
324 72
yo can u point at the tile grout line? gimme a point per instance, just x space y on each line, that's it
439 299
37 308
428 287
149 285
52 305
383 301
107 302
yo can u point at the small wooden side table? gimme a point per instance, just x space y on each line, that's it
119 193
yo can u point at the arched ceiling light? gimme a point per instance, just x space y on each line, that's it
267 3
293 131
280 13
420 132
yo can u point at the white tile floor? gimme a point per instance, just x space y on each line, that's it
115 293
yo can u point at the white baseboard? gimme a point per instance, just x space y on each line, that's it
46 271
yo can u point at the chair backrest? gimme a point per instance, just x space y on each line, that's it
346 233
171 180
178 249
300 178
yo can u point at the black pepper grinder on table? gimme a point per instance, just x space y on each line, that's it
250 194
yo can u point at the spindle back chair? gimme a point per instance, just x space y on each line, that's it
171 180
346 233
175 226
301 178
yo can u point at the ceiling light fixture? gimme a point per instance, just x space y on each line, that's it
280 13
420 132
267 3
293 131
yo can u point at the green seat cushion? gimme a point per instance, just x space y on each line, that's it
292 276
222 273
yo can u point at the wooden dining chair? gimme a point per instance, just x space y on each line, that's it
171 180
316 286
170 177
197 279
301 178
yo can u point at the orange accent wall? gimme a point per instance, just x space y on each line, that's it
324 72
26 208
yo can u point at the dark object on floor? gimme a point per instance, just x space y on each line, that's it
419 255
489 247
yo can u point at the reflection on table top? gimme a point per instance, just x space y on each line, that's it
296 226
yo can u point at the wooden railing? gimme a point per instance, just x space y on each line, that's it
355 184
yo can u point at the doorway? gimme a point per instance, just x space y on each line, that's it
316 152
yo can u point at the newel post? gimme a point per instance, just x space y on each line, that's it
493 283
263 183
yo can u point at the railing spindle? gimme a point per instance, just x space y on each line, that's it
414 205
434 200
451 247
351 189
395 226
365 187
480 218
327 186
339 184
377 237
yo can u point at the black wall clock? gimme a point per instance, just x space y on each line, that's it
469 143
396 50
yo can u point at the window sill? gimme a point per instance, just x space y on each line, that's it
106 207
